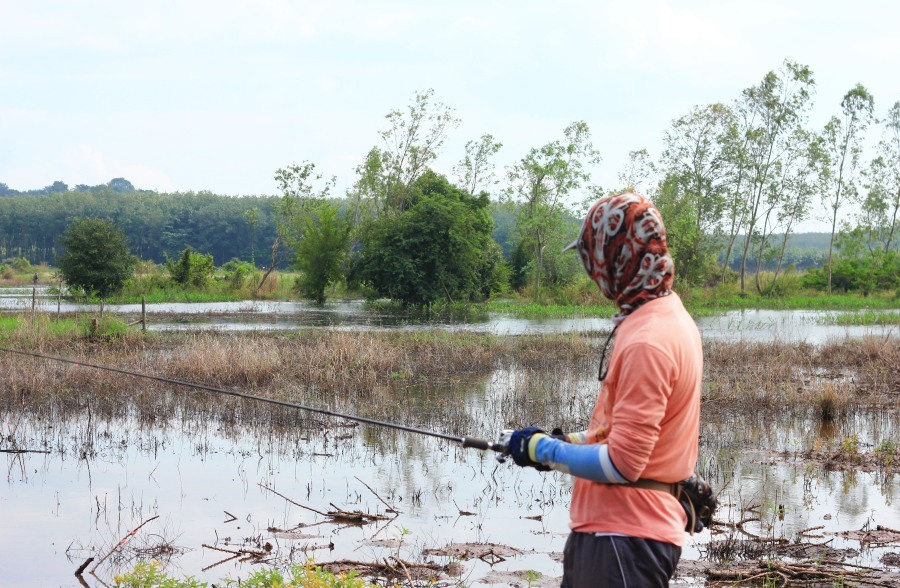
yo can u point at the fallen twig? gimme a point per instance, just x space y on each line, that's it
389 507
122 542
337 515
319 512
82 567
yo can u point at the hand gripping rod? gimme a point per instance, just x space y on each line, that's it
499 446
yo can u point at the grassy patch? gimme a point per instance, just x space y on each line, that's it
862 317
533 310
150 575
27 332
714 300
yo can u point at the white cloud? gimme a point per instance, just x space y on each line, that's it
219 94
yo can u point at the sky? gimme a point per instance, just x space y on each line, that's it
217 95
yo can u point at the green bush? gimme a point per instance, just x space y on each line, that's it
237 273
877 272
96 259
437 248
19 264
192 270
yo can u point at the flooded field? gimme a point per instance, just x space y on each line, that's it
221 486
740 325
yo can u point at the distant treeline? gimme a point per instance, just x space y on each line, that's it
157 224
227 227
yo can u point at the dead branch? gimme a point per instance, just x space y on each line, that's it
389 507
82 567
792 574
318 512
245 555
337 515
354 517
272 264
122 542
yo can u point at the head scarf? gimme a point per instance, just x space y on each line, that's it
623 248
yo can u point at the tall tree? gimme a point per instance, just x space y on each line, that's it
411 144
476 168
842 138
313 227
696 159
786 201
768 115
882 204
638 173
542 181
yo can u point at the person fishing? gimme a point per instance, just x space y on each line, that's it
626 520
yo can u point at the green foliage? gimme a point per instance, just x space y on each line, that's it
691 249
192 270
542 181
19 264
97 260
438 248
321 252
854 274
495 272
156 224
150 575
238 272
858 268
314 227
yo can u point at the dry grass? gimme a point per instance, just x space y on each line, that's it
829 378
378 373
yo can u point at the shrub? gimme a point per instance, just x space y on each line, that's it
192 269
237 272
19 264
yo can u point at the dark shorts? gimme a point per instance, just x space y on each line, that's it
626 562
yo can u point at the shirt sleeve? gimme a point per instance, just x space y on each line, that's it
644 383
591 462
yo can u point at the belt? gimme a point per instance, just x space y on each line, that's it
648 484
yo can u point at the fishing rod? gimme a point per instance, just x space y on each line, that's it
501 445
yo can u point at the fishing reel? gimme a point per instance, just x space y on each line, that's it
502 444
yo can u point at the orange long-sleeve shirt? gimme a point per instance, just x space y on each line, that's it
648 412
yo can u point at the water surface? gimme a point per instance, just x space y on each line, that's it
749 325
109 469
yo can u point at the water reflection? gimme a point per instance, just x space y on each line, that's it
192 460
746 325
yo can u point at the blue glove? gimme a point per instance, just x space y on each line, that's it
518 447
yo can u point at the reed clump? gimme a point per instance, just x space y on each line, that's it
374 371
832 400
830 377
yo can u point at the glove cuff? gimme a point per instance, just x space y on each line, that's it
578 438
532 445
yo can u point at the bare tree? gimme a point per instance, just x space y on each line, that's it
842 138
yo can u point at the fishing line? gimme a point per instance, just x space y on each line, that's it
464 441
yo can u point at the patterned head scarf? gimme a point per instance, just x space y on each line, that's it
623 248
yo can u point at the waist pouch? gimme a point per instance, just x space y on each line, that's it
695 496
